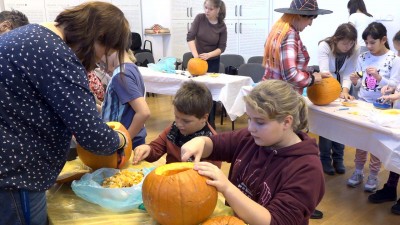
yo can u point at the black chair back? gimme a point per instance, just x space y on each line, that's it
144 58
221 68
255 59
136 45
185 59
254 70
232 62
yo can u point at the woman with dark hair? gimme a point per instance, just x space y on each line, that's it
337 56
380 67
10 20
360 18
46 99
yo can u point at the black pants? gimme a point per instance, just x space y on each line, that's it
213 67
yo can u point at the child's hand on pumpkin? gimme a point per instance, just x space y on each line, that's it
140 152
194 148
217 177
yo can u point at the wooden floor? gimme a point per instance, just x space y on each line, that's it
341 204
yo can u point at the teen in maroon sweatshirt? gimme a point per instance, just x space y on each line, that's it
276 176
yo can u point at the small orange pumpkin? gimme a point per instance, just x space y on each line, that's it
325 92
197 66
224 220
175 194
106 161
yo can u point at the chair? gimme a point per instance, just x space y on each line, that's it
255 59
144 58
136 45
254 70
221 68
232 60
185 59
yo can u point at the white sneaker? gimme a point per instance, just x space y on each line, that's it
355 179
372 184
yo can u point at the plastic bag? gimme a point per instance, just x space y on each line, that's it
115 199
165 65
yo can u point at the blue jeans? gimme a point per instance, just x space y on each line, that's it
325 147
11 212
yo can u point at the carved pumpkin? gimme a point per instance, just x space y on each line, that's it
325 92
106 161
175 194
197 66
224 220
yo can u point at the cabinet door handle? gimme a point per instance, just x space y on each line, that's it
240 27
235 10
187 12
240 10
235 28
187 26
191 11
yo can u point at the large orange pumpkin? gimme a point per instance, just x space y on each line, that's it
175 194
325 92
224 220
106 161
197 66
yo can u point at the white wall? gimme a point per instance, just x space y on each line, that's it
157 12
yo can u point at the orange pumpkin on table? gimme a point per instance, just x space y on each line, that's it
175 194
224 220
197 66
107 161
325 92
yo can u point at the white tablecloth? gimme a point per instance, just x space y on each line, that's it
238 108
351 126
224 88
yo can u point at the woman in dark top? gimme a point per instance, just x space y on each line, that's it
207 35
207 39
46 99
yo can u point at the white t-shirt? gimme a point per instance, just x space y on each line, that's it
360 21
389 68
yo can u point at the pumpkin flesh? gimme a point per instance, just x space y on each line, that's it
175 194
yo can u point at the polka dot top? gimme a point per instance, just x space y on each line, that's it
44 99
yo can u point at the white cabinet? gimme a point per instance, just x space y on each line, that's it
40 11
248 26
183 13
